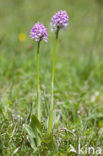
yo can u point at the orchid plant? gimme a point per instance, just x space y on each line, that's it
39 33
58 21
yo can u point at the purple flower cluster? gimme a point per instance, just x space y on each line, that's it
59 20
39 32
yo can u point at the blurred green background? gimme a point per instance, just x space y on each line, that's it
79 59
79 55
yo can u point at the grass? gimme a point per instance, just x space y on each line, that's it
78 76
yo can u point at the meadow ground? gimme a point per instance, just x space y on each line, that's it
78 76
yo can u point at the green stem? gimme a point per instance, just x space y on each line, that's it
50 126
38 93
38 86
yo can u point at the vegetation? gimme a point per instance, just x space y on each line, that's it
78 80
